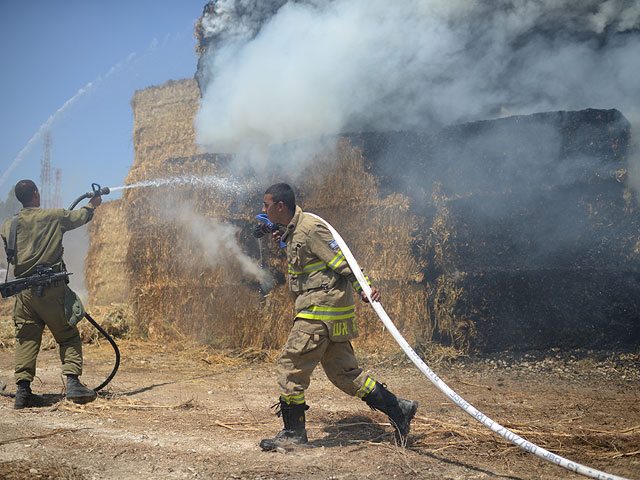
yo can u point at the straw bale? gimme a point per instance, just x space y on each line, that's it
106 273
6 305
163 125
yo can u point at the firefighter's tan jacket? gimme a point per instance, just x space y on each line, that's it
319 276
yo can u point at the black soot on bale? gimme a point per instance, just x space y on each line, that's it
544 239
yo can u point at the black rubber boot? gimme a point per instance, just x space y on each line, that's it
399 410
26 399
294 431
78 393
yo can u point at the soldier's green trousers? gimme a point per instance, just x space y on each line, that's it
309 344
30 315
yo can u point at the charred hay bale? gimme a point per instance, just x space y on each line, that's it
575 226
552 308
510 197
518 153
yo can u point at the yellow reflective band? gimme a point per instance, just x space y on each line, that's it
327 313
366 388
335 261
312 267
295 399
357 286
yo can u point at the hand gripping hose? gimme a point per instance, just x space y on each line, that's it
448 392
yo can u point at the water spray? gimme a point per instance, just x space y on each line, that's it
190 181
447 391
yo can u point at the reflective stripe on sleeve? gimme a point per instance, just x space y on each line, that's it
335 261
312 267
357 286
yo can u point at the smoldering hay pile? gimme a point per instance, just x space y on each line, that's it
498 259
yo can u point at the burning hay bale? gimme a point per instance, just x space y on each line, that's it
524 244
479 237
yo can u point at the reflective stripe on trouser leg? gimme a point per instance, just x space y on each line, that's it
293 399
366 388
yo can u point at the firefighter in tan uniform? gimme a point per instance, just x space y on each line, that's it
322 284
39 242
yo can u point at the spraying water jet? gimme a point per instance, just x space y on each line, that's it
225 184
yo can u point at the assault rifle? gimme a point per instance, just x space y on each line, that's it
43 278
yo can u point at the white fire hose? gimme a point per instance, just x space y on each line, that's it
444 388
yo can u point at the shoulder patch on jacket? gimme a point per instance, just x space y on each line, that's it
333 245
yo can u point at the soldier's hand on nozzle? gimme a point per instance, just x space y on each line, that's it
96 201
375 295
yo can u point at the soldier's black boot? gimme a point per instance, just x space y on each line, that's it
399 410
25 398
294 431
78 393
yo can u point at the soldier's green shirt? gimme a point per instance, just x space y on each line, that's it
39 236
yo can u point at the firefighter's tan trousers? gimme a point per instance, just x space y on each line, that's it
30 315
308 344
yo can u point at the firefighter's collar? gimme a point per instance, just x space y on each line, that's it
293 223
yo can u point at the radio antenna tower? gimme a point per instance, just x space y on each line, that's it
45 173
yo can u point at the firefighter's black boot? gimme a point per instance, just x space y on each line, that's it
26 399
294 431
78 393
399 410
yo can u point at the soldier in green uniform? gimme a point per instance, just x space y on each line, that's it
38 242
322 284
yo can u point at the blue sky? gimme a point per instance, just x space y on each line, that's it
51 50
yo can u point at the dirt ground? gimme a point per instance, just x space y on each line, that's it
199 414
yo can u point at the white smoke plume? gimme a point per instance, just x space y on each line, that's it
218 241
280 70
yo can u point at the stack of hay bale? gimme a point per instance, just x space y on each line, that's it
448 225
